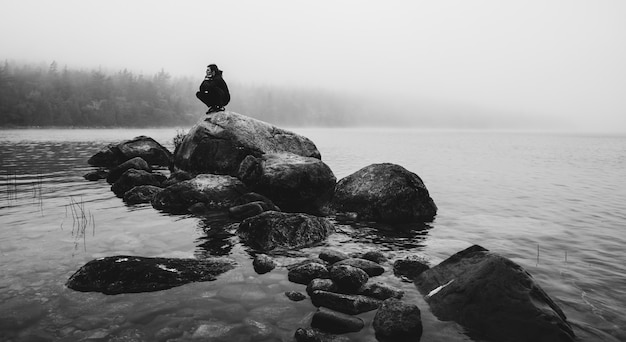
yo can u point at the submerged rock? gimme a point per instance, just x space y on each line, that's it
273 229
295 183
331 256
145 147
493 297
384 193
214 191
315 335
219 142
131 274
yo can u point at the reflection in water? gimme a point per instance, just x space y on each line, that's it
219 237
82 220
397 237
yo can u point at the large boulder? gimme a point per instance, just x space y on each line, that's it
215 192
384 193
273 229
493 297
295 183
219 142
131 274
145 147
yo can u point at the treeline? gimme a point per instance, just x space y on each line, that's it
47 96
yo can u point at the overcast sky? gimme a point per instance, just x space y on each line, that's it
563 59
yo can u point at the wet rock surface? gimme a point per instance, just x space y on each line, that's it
295 183
492 296
397 321
132 274
219 143
335 322
273 229
384 193
145 147
216 192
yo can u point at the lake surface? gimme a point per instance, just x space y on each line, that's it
553 203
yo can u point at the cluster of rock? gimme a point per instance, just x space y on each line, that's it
339 286
275 185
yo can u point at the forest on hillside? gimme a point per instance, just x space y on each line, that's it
50 96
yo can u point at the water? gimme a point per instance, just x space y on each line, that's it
554 203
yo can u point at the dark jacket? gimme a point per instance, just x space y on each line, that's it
216 84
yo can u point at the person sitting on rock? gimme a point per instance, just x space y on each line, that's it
213 90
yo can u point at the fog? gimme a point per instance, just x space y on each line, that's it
555 64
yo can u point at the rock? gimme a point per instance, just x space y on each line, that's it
349 304
295 183
96 175
375 256
214 191
263 264
142 146
132 178
136 163
411 266
141 194
493 297
177 177
371 268
273 229
336 322
384 193
253 197
242 212
348 278
397 321
380 291
219 142
331 256
314 335
131 274
303 274
321 284
295 296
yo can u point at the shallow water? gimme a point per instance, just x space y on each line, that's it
554 203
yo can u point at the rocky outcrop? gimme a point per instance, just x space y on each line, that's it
219 142
145 147
384 193
131 274
493 297
295 183
215 192
397 321
273 229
